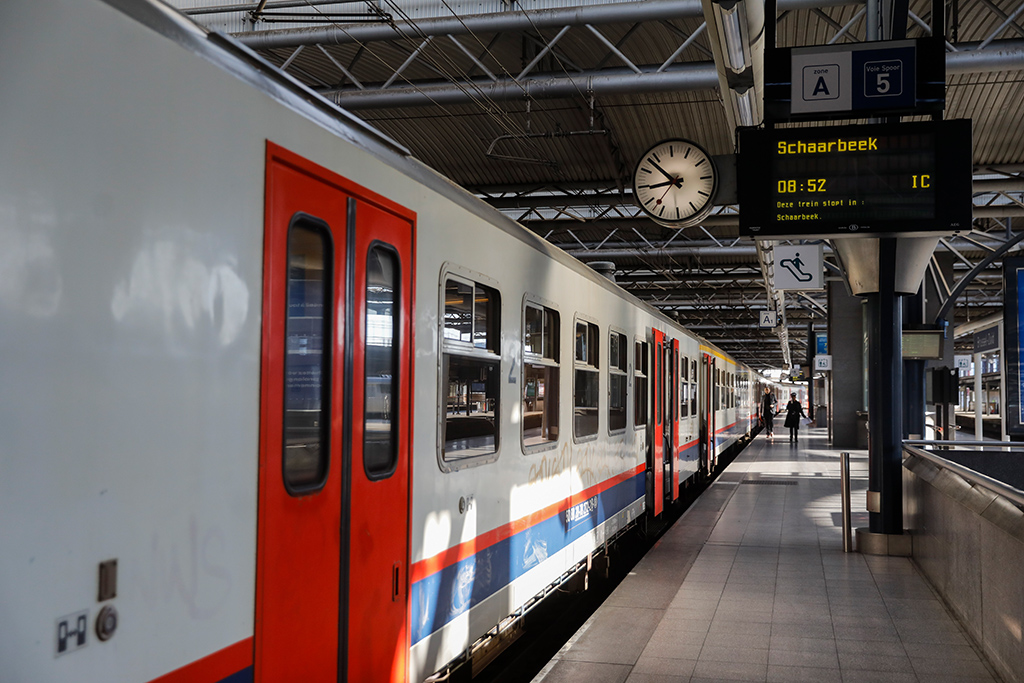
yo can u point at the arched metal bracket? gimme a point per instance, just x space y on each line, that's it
981 265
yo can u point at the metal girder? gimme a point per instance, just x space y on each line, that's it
744 251
1010 182
653 78
650 78
606 194
503 22
741 250
690 76
1004 55
617 13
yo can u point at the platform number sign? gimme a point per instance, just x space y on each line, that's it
883 78
71 632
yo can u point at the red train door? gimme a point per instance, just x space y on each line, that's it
677 444
709 404
658 407
337 304
670 369
378 638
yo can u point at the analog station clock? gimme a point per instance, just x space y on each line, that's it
675 183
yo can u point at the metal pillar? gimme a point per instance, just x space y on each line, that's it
812 349
1003 436
913 374
885 398
979 421
844 485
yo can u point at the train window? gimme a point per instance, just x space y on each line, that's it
471 366
307 366
540 375
640 384
458 311
380 368
585 389
684 389
617 381
471 314
540 338
693 387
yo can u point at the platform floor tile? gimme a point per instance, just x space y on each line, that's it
752 585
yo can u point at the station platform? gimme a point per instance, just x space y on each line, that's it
752 584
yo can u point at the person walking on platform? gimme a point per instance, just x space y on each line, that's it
794 411
768 411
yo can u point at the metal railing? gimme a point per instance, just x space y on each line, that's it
994 485
844 485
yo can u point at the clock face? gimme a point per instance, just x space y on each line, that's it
675 182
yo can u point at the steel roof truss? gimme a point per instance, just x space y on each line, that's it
548 47
342 69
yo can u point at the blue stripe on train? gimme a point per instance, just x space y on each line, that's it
243 676
443 596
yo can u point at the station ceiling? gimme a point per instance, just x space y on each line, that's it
543 108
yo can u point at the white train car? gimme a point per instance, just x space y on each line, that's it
279 403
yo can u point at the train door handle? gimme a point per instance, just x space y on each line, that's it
396 581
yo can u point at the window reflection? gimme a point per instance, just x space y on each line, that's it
585 381
617 382
380 424
471 362
540 376
307 356
458 311
471 426
640 384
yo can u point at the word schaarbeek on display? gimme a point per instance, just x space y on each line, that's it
826 146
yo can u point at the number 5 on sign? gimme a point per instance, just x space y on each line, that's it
883 78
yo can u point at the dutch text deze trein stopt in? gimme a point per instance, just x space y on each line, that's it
826 146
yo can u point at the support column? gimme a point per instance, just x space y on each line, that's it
846 345
913 373
811 351
885 398
871 269
979 421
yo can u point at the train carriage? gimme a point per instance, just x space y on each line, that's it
279 402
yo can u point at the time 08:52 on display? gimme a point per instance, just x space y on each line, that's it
809 185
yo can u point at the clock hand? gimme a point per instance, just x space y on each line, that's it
663 196
663 171
667 182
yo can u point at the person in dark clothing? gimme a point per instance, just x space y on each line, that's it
794 411
768 411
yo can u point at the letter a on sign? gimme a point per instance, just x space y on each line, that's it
821 88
